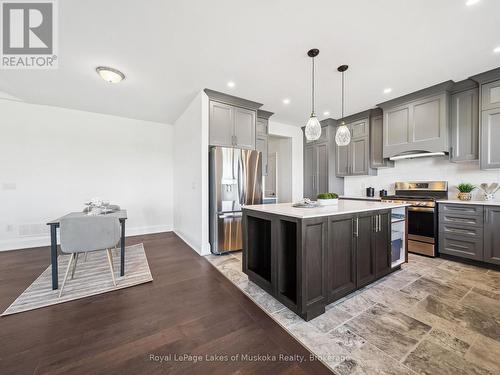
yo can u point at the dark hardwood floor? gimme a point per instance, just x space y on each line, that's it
189 308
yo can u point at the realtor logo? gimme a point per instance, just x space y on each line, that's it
28 34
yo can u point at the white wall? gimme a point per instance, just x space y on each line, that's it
52 160
191 175
295 134
422 170
283 148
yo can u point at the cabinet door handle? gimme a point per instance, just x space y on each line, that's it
380 223
485 215
356 232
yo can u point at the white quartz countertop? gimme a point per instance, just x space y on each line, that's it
360 198
476 202
344 207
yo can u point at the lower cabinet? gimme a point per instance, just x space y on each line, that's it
365 249
359 251
492 234
341 257
470 231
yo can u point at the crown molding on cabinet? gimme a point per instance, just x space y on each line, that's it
264 114
232 100
489 76
429 91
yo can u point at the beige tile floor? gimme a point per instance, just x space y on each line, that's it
434 316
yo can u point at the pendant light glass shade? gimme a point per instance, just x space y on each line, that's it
343 135
313 128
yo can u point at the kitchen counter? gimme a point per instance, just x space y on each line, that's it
360 198
473 202
344 207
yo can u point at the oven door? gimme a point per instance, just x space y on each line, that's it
421 230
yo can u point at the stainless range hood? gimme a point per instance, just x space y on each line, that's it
416 154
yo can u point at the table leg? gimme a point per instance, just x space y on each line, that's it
53 256
122 255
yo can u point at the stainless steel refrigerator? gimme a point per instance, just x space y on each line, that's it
235 180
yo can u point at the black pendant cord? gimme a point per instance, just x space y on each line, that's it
312 96
342 94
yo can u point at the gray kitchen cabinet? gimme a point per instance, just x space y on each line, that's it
470 231
464 143
490 95
261 145
354 159
315 170
232 120
342 161
492 234
490 139
221 124
244 128
359 156
418 122
262 138
377 159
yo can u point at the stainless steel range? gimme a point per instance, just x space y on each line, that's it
422 214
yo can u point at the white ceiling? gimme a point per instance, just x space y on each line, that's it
169 50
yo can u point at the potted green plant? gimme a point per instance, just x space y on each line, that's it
465 191
327 199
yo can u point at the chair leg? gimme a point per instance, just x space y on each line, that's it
112 263
74 266
67 273
108 252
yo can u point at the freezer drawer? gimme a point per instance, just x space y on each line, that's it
229 232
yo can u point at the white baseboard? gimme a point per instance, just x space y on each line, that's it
29 242
202 250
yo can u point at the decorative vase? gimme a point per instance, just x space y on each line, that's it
465 196
328 202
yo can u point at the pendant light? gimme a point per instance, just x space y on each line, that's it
313 127
343 135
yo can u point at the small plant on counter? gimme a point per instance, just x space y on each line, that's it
328 199
465 191
327 196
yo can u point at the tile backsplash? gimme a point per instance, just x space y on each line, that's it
425 169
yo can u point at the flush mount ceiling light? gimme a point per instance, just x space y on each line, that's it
326 113
231 84
472 2
286 101
343 135
387 90
313 127
109 74
497 49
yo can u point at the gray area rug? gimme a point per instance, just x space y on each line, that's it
91 277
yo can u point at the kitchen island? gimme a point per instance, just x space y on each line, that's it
308 258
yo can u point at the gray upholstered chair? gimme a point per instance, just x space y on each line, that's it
88 233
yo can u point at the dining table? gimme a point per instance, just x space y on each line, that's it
55 224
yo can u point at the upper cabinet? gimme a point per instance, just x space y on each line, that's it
377 159
464 122
417 122
262 138
232 121
489 92
354 159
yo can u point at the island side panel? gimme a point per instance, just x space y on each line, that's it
258 249
312 259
